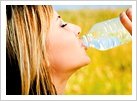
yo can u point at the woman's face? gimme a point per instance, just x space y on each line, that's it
64 48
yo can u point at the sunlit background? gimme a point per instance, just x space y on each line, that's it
110 72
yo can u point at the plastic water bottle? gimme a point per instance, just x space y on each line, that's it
106 35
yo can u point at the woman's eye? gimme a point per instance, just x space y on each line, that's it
63 25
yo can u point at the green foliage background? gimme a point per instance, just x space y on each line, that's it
110 72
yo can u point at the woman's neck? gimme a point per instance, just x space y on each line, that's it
60 80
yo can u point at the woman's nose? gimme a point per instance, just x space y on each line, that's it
74 28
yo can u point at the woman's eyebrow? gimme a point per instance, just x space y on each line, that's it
58 17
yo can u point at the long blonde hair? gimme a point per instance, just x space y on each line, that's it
27 27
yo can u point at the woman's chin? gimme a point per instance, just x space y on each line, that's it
87 60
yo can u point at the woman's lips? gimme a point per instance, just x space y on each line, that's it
82 45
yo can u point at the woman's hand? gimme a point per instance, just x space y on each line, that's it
126 19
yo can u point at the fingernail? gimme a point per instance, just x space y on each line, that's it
122 14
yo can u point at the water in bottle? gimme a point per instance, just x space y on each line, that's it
106 35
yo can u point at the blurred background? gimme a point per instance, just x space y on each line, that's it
110 72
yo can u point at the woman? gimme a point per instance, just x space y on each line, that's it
42 51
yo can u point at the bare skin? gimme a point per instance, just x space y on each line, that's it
65 50
126 19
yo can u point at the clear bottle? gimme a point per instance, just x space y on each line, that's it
106 35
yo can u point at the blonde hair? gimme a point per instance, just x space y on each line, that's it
27 27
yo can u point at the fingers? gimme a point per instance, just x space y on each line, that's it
126 19
129 14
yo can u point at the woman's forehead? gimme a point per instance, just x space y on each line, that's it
55 13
